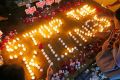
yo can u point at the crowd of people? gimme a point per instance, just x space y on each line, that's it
109 58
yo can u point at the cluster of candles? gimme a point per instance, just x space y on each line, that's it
80 35
68 49
32 61
30 34
32 64
86 31
11 48
87 25
46 56
81 12
22 46
74 38
102 22
47 31
29 64
55 24
29 68
20 53
33 39
9 44
53 52
45 28
90 29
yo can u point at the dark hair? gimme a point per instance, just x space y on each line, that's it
11 72
117 14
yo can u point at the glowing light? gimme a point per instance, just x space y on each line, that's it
17 39
19 45
15 47
53 52
11 57
81 12
66 54
47 30
80 35
14 41
24 49
9 43
21 53
35 52
46 56
24 59
15 56
41 70
58 59
62 56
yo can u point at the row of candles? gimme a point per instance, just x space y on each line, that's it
80 35
74 38
46 56
29 68
81 12
9 44
53 52
32 63
68 49
53 26
102 23
46 31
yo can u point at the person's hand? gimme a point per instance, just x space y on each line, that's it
107 42
105 45
116 44
49 73
116 22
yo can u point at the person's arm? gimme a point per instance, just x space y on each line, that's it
48 78
116 52
49 73
106 44
117 23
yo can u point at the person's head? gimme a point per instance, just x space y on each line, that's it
117 14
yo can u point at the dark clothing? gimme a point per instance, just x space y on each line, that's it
11 72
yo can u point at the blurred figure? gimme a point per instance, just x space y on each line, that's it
109 58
